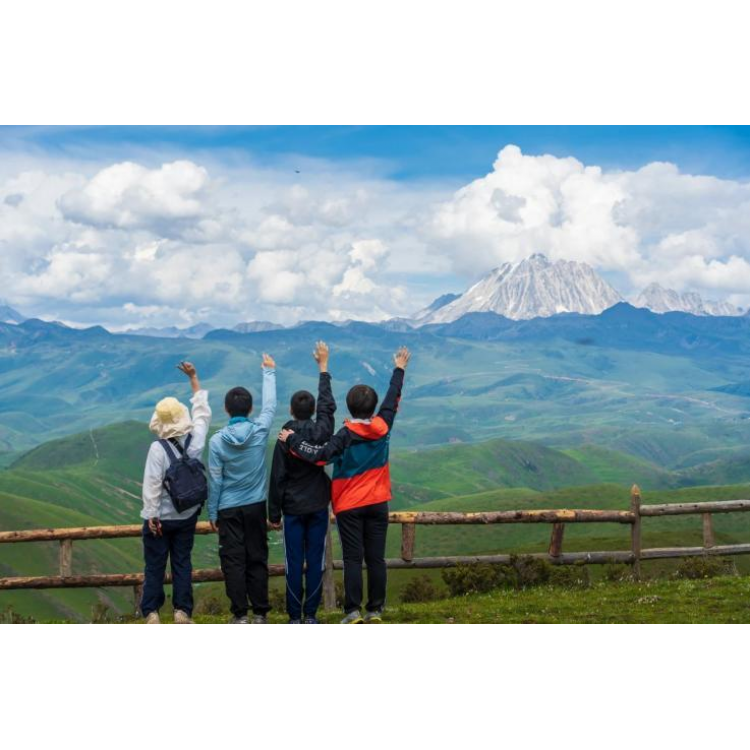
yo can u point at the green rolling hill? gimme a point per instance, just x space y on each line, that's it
93 478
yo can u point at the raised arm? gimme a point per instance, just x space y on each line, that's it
326 406
200 413
389 407
268 409
320 454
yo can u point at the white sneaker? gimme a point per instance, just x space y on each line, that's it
152 618
182 618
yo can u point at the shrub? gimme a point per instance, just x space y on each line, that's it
477 579
419 589
530 571
524 571
693 568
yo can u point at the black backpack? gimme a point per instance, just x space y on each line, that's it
185 479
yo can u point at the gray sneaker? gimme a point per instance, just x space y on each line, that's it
295 622
374 617
353 618
239 620
259 620
311 620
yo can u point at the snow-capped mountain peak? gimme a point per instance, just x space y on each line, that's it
532 288
660 300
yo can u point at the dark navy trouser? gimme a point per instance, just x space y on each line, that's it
175 543
304 542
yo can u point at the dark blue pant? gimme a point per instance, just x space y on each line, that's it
175 543
305 542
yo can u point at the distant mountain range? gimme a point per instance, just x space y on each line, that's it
534 287
199 330
660 300
539 288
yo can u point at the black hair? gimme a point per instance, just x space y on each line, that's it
238 402
361 401
303 405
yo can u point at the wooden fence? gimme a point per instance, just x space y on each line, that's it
409 522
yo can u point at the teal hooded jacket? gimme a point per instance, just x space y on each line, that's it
237 456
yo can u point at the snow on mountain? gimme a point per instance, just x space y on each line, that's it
533 288
198 331
257 326
660 300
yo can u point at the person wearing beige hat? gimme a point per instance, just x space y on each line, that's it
168 534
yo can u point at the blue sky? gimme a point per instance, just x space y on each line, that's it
423 152
176 225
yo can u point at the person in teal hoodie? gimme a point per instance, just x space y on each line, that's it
237 497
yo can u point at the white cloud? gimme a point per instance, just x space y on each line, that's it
163 243
651 224
130 196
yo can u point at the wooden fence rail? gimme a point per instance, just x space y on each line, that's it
409 522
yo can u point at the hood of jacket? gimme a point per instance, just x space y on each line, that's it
237 434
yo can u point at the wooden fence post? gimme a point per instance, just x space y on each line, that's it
708 531
137 596
329 584
408 535
635 532
66 557
556 539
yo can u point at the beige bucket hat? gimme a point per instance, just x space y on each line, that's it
170 419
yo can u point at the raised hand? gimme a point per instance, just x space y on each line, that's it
284 434
401 357
268 363
320 355
189 369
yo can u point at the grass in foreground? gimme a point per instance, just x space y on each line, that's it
716 600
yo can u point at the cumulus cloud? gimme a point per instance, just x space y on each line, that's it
130 196
187 240
651 224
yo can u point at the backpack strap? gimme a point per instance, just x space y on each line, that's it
182 450
169 449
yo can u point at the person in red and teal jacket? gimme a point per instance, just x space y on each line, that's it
361 488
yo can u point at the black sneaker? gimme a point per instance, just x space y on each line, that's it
311 620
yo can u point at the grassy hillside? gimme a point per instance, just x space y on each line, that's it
658 387
608 465
460 469
93 478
